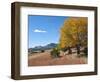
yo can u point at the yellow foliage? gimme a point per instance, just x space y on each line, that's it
73 31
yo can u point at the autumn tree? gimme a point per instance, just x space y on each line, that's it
73 32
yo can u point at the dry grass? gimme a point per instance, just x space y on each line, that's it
45 59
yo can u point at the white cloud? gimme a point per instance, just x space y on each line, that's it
38 30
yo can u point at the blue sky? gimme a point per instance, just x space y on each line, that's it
43 30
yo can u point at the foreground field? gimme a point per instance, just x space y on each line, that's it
44 59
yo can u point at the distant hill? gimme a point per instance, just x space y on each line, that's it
39 48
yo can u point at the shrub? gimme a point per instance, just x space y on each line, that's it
55 53
42 51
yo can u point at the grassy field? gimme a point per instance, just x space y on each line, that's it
45 59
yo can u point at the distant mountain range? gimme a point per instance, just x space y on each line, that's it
39 48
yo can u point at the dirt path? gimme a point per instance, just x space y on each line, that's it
44 59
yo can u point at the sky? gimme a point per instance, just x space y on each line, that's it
43 30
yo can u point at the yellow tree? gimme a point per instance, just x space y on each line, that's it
73 31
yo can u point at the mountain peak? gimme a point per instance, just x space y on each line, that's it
46 47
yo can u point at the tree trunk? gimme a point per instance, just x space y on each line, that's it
78 49
69 50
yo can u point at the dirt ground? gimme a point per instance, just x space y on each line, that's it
45 59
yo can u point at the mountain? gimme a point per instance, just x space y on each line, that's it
39 48
51 45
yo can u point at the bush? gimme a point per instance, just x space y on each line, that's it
42 51
55 53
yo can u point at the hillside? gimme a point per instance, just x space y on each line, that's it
39 48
